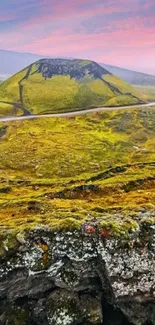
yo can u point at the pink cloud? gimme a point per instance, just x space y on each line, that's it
120 33
56 14
7 17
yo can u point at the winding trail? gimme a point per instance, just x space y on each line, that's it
21 87
74 113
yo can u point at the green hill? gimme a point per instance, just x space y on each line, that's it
61 85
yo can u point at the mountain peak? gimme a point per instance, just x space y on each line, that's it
75 68
64 85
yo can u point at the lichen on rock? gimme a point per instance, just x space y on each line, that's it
87 280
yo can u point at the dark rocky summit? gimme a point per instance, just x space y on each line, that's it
77 69
77 278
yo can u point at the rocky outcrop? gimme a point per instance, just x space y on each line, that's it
77 277
77 69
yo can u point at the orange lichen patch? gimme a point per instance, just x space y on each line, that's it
44 247
131 244
45 259
105 233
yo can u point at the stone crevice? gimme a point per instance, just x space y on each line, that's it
69 278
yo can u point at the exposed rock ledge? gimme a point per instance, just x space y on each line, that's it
73 278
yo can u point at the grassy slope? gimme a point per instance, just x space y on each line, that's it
148 91
120 100
9 89
122 85
44 163
9 92
6 110
60 93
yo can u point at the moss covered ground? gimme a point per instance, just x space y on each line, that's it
9 89
61 172
6 109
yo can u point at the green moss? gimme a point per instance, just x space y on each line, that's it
6 109
56 97
122 100
122 85
122 229
9 89
62 171
83 62
147 91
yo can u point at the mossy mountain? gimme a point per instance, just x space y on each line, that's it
62 85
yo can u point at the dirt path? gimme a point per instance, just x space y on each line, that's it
69 114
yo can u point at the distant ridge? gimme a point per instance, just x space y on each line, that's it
12 62
132 77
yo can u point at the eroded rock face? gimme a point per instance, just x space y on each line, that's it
77 278
77 69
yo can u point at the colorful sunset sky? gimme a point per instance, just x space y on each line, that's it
116 32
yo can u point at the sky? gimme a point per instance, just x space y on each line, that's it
116 32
